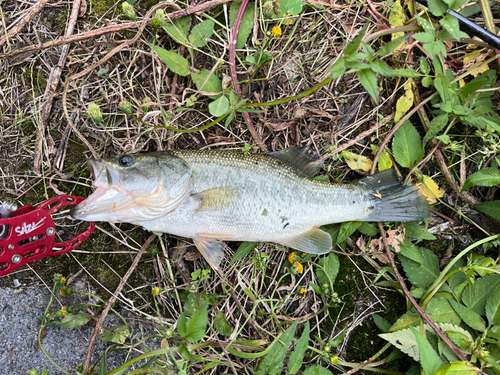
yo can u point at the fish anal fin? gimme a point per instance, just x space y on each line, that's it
302 158
212 250
216 198
316 241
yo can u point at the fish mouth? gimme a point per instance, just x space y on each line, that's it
104 203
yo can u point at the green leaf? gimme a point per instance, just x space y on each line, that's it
436 125
381 323
405 341
484 177
437 7
493 307
75 320
391 46
407 146
243 250
424 37
475 297
450 23
292 7
414 230
368 229
212 84
457 368
317 370
117 335
368 79
435 48
424 65
346 229
193 329
327 270
219 107
380 67
222 325
457 335
273 362
428 358
421 273
442 86
173 61
353 46
470 317
440 311
178 29
246 25
338 68
201 32
408 319
407 73
297 356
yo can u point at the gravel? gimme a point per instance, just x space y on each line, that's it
20 309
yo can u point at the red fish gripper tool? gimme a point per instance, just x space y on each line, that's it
29 233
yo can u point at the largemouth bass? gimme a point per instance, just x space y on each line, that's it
212 196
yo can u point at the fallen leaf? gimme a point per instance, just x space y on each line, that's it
405 102
192 255
357 162
394 239
361 243
281 125
377 251
397 18
430 189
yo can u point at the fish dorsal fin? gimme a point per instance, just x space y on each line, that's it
216 198
212 250
316 241
302 158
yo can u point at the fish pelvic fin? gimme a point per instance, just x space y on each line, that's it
316 241
216 198
211 248
394 201
302 158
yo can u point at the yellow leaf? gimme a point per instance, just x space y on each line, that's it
473 60
397 18
357 162
405 102
430 189
384 161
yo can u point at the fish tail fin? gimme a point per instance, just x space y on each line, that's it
394 201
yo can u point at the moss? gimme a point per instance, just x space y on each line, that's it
363 341
101 7
62 19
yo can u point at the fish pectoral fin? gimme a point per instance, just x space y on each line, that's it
302 158
216 198
212 250
316 241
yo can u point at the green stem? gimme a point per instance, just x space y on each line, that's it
432 289
316 87
153 353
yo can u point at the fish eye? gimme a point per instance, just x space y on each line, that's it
126 160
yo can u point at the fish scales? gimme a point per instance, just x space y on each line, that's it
274 200
211 196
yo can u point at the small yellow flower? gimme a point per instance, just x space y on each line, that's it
64 311
303 292
63 279
334 359
276 31
291 257
65 291
156 291
297 267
